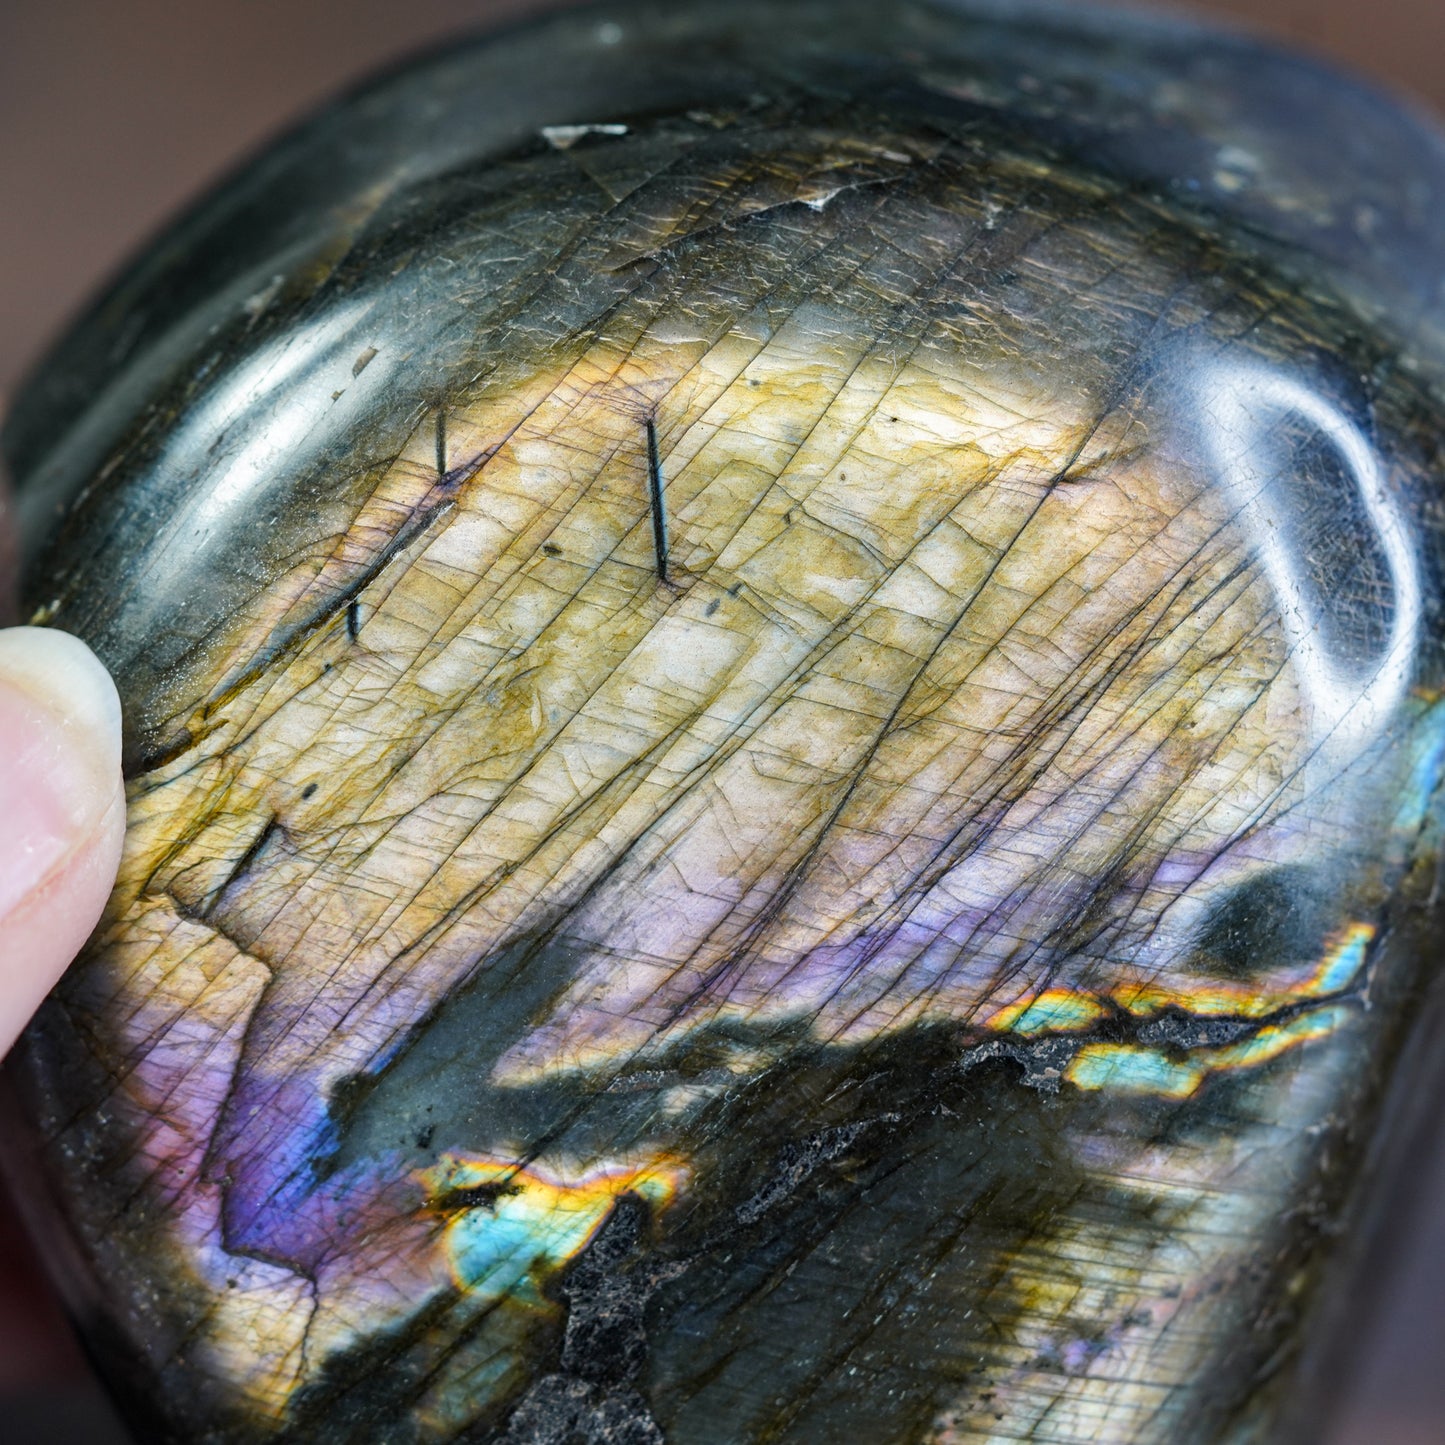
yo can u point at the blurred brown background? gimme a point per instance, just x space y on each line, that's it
115 112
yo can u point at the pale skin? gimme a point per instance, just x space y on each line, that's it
61 796
60 788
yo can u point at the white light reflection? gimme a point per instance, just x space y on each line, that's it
261 414
1242 405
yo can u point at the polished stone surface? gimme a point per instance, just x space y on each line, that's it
783 680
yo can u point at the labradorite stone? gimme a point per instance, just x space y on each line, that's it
783 689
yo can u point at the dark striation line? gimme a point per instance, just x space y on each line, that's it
441 444
655 498
243 866
353 619
286 638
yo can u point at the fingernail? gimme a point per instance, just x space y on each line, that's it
59 753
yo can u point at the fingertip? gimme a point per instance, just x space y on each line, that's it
58 671
63 808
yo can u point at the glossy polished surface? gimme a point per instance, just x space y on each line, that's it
783 706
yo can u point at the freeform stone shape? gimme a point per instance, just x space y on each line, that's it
783 670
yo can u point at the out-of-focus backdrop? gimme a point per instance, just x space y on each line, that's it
115 112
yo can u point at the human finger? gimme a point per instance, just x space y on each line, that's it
62 810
